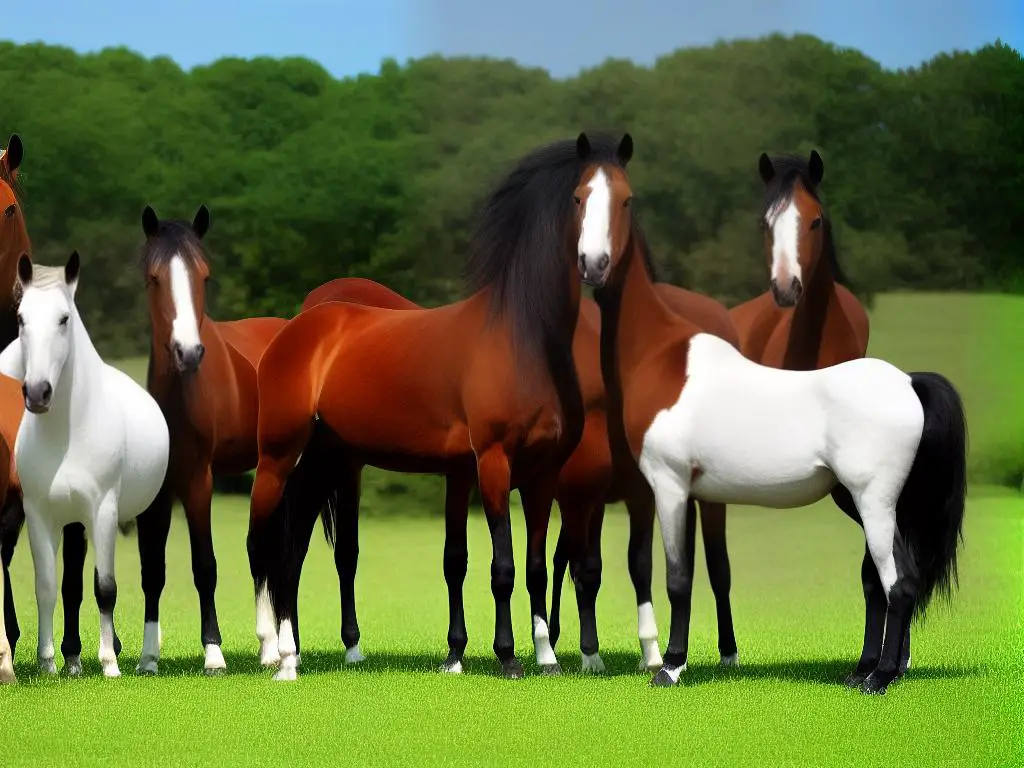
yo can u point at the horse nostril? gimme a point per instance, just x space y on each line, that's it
47 392
602 263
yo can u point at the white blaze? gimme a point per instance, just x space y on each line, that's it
185 327
595 229
784 221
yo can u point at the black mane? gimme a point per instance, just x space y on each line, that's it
173 237
519 246
779 191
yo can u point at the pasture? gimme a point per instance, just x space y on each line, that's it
796 601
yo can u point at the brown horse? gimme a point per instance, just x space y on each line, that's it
586 483
703 421
486 384
808 319
202 373
14 241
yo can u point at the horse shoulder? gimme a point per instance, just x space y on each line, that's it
857 316
756 321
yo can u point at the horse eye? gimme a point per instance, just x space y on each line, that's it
10 210
21 320
64 320
816 223
627 202
576 199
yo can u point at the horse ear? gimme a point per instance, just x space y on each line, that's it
25 270
816 168
582 146
71 269
625 149
150 223
201 222
14 155
765 168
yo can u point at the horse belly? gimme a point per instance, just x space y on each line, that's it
146 454
779 490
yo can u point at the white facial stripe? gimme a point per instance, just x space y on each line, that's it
595 230
185 327
784 221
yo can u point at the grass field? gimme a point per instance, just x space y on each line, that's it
796 602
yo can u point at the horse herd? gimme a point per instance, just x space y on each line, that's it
648 394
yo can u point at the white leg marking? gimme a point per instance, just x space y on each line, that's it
542 643
353 655
286 646
265 630
105 536
593 664
43 543
73 665
150 658
6 657
647 630
214 659
454 669
733 660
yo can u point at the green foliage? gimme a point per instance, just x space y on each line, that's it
309 177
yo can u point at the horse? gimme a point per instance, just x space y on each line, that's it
702 421
202 374
92 447
14 242
810 319
586 483
486 384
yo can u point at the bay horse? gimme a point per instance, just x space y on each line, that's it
703 421
810 319
15 242
92 447
586 483
486 385
202 374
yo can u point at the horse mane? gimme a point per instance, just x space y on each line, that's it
173 238
779 191
645 250
518 245
47 277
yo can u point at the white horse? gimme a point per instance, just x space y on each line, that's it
92 447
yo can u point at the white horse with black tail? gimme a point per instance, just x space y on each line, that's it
92 447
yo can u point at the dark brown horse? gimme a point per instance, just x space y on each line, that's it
808 319
485 386
14 241
202 373
586 483
703 421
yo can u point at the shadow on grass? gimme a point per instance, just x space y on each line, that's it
618 665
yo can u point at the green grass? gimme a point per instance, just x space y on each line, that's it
798 611
796 602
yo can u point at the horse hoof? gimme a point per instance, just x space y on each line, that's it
353 655
732 660
593 664
664 679
876 683
511 669
7 669
147 666
452 667
269 660
551 670
215 671
73 666
47 667
286 675
111 670
214 664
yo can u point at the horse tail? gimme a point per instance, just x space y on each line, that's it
930 511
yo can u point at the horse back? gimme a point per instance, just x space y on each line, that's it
358 290
250 336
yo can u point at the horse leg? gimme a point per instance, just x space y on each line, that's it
346 557
43 538
712 524
875 603
677 515
72 587
197 501
588 583
154 525
640 557
6 654
11 520
494 476
456 561
537 500
105 583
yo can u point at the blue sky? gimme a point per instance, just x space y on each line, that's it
561 35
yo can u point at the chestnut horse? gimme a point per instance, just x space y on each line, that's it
586 483
202 374
809 319
487 383
703 421
14 242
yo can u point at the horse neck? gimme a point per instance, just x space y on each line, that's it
807 329
12 250
81 373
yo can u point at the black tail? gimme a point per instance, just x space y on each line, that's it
308 493
930 512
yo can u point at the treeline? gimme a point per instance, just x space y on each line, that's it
309 177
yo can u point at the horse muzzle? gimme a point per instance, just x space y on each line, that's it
594 272
187 359
789 296
37 396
